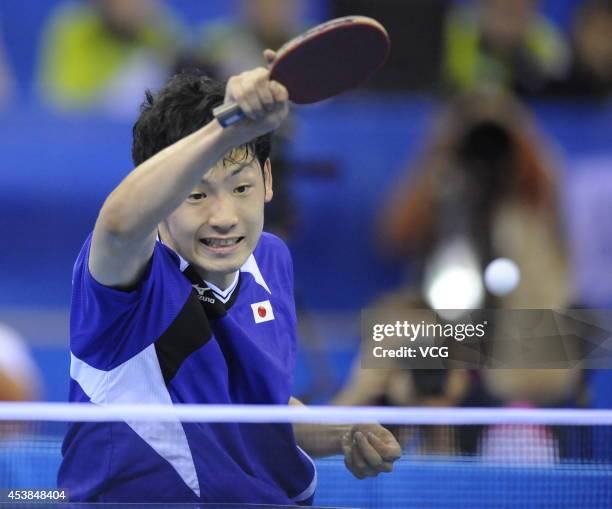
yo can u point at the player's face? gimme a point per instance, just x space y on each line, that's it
218 226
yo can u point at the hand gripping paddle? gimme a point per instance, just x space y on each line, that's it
323 62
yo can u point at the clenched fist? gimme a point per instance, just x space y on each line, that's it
369 449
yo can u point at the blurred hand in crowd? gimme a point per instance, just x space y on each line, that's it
101 54
497 43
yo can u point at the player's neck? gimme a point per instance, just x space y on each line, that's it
219 282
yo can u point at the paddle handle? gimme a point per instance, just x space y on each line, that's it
228 114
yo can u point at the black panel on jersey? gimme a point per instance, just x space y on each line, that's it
191 329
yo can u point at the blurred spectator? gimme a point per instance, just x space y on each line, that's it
502 43
19 376
232 46
101 54
486 175
590 72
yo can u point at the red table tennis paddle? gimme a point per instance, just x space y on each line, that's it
323 62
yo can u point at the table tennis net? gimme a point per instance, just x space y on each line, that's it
451 458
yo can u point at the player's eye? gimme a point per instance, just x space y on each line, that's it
196 196
242 189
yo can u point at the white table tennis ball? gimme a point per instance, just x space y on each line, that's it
502 276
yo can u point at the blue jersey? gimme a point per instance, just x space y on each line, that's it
176 339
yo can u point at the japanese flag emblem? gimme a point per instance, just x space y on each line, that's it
262 311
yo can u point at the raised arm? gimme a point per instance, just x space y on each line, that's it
125 231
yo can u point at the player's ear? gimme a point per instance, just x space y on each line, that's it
267 176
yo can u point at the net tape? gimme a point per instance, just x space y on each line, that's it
87 412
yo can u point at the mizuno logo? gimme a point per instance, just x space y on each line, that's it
201 291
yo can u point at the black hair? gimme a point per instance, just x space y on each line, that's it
180 108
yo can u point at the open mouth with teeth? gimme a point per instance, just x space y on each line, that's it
217 243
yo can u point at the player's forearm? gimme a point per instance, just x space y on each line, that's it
158 186
319 439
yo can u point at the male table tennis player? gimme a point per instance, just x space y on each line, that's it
178 297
